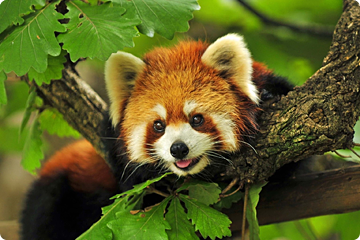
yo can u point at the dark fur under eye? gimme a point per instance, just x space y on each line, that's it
159 126
197 120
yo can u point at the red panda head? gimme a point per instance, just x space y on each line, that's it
182 107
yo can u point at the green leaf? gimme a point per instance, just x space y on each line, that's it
210 222
28 109
149 224
53 71
32 153
139 187
30 44
100 230
98 31
181 228
254 192
11 11
53 122
3 98
162 16
205 192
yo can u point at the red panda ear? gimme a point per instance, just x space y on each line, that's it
231 57
121 70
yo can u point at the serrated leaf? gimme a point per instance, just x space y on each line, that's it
139 187
32 153
100 230
210 222
30 44
28 109
98 31
251 217
3 98
181 228
205 192
11 11
53 122
143 225
162 16
53 71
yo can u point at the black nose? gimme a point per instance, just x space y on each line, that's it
179 150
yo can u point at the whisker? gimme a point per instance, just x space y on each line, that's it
250 146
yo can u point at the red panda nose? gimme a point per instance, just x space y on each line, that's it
179 150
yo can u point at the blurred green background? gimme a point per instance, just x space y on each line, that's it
290 53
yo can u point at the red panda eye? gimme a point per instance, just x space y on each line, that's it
197 120
159 126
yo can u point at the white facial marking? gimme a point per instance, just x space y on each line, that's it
197 142
160 110
136 141
189 106
227 129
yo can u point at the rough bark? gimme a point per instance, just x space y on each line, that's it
316 117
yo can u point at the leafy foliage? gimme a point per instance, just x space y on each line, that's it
165 220
29 44
11 11
53 71
162 17
92 31
181 228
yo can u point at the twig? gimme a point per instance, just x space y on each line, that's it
233 192
151 189
340 155
231 184
313 30
244 212
355 152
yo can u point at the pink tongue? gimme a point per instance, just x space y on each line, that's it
183 163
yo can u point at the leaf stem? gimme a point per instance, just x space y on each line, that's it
151 189
244 211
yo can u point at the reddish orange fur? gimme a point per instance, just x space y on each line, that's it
86 170
173 75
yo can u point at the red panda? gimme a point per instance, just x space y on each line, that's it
179 109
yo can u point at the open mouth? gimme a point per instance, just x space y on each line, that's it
187 164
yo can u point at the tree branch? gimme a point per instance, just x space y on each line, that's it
321 31
80 105
305 196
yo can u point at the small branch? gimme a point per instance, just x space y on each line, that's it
151 189
243 228
313 30
353 151
340 155
231 184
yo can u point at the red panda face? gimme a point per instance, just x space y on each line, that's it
190 104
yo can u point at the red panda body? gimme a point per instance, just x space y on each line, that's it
179 109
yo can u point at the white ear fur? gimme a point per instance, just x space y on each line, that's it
121 70
230 55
